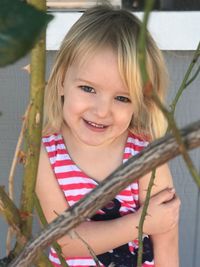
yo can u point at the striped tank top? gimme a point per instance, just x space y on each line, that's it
75 184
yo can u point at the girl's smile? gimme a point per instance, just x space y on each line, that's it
97 108
95 126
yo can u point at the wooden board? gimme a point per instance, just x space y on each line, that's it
75 4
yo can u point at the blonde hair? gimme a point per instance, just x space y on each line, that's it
102 26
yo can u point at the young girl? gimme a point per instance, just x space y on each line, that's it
97 116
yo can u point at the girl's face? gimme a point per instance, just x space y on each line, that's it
97 107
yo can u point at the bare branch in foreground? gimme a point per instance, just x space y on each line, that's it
153 156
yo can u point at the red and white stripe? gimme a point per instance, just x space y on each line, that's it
75 185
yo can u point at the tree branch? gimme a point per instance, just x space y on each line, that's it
32 134
10 213
13 217
156 154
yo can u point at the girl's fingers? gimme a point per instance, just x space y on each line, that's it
164 196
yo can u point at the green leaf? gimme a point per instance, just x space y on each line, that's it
20 27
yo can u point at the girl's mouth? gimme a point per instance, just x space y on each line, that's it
95 126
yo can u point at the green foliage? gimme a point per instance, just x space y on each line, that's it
20 27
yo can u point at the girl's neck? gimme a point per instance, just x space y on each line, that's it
95 161
74 144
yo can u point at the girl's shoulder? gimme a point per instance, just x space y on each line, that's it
140 136
53 144
52 138
137 141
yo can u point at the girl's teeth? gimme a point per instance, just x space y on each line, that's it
96 125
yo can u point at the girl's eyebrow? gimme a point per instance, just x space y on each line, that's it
85 81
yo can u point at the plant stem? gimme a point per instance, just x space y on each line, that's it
34 125
44 223
12 172
142 41
185 82
143 71
14 219
172 125
143 215
10 211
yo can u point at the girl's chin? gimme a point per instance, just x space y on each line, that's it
91 142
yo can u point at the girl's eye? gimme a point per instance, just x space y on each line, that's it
123 99
87 89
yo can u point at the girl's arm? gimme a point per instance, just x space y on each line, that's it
165 245
101 236
166 249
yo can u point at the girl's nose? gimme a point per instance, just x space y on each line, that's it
103 107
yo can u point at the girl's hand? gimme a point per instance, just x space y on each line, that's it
162 213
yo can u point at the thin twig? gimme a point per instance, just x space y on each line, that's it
91 251
142 219
172 124
142 41
170 115
73 234
8 240
193 77
185 82
142 62
12 171
44 223
17 149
